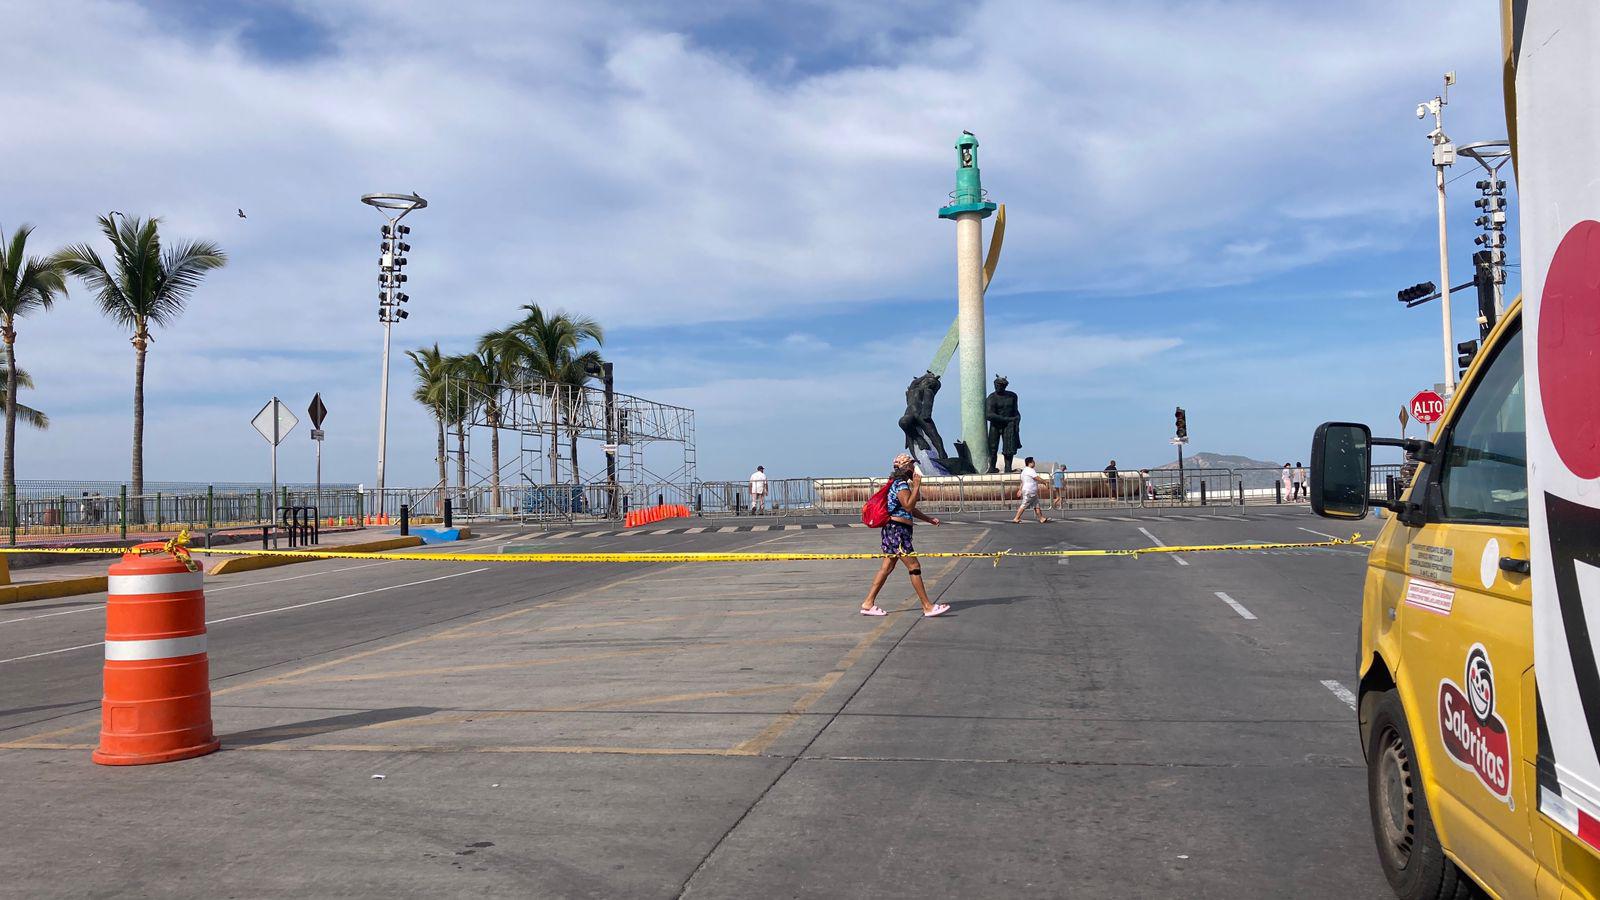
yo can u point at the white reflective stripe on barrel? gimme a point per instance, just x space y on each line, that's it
168 583
161 648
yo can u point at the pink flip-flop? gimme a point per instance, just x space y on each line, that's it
874 610
939 609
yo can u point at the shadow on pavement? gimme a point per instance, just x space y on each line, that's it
314 727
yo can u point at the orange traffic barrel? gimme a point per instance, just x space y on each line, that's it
157 703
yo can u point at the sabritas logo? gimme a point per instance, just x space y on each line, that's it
1474 736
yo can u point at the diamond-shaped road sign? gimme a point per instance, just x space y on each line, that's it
274 421
317 411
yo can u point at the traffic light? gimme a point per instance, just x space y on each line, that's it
1181 422
1465 351
1416 291
1483 278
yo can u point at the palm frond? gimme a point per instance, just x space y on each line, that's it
27 283
31 417
142 285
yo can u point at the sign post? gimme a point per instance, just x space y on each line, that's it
274 422
317 412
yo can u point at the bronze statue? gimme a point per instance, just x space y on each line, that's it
917 422
1000 411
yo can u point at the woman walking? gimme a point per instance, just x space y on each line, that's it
905 484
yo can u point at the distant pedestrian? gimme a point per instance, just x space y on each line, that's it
1300 481
1149 486
758 490
1111 476
1288 482
1058 485
905 484
1031 479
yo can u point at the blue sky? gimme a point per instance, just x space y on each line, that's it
1210 205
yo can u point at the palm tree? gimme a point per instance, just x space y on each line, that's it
552 352
491 367
148 287
28 284
432 384
457 402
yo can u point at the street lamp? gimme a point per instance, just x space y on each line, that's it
391 275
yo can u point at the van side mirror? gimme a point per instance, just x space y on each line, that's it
1341 469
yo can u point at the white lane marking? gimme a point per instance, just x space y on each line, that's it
391 587
1160 543
694 531
1319 533
761 528
791 528
664 531
1237 606
1340 691
595 534
230 587
727 529
826 525
235 587
564 534
267 611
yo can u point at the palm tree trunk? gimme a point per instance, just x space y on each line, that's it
137 479
10 336
494 458
444 481
572 442
461 463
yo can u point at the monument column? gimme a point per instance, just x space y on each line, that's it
969 207
969 316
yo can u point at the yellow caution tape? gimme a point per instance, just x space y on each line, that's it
688 556
645 556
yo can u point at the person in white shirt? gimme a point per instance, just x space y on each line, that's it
1300 481
1031 480
758 490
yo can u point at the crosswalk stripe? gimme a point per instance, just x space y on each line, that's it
694 531
760 527
726 529
664 531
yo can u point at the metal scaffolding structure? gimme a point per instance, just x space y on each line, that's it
541 474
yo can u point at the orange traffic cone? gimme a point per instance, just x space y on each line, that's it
157 702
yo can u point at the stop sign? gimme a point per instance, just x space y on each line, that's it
1427 407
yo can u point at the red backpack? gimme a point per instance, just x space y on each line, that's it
875 512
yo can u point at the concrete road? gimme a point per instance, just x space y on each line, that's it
1113 727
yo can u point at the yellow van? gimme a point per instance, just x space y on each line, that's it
1479 706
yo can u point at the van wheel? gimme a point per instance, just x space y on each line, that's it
1408 847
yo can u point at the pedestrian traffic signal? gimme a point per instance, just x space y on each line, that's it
1416 291
1181 421
1465 351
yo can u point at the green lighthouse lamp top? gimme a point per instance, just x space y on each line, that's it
968 195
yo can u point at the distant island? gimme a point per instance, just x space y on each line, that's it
1256 473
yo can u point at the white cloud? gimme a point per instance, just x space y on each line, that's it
599 157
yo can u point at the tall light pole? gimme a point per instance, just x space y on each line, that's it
1444 156
391 275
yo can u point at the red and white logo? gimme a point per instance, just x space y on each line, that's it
1427 407
1473 734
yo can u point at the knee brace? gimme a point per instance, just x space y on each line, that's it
916 571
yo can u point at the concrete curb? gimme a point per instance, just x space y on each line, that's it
252 563
47 590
